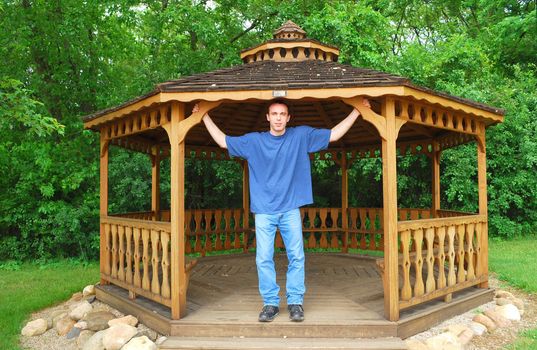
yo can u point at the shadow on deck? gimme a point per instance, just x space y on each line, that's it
344 299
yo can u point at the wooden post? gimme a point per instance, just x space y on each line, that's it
483 205
177 214
103 202
435 159
155 182
245 204
344 201
389 187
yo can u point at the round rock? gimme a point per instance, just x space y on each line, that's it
73 333
485 321
64 325
504 294
498 319
118 335
36 327
80 310
88 290
83 338
98 320
140 343
477 328
508 311
129 319
95 342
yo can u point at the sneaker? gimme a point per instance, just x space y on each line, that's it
268 313
296 312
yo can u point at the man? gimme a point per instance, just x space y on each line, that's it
280 183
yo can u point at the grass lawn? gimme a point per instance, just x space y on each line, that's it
515 262
30 287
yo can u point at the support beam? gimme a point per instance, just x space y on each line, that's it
344 201
155 182
435 183
246 204
177 213
103 203
389 186
483 205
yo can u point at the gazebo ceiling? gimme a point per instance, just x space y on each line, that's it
307 74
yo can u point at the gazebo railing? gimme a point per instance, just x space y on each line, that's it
208 230
440 256
442 213
137 257
437 256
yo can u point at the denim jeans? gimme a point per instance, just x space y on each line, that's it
290 225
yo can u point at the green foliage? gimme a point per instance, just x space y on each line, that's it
213 184
17 108
32 287
361 33
65 59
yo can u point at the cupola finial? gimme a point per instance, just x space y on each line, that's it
289 30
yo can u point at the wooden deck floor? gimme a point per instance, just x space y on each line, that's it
344 298
340 289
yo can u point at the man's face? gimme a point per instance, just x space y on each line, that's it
278 116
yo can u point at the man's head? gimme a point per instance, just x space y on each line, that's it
278 116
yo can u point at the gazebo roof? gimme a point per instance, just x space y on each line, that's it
273 75
304 71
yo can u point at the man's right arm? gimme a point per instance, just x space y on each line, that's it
218 136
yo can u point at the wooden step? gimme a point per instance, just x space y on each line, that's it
241 343
282 327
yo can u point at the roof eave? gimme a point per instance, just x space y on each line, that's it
491 114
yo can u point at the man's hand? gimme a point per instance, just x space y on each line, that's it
196 109
218 136
339 130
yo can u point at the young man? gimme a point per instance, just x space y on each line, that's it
280 183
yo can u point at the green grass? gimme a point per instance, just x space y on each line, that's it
30 287
514 262
526 341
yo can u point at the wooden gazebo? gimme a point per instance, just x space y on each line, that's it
429 254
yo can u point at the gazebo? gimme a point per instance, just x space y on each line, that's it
433 262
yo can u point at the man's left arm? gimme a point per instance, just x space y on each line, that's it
343 126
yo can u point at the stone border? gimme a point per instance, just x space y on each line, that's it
87 324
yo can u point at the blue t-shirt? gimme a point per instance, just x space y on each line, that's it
280 171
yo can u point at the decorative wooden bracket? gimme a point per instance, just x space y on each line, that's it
367 114
480 137
188 123
195 118
398 125
104 147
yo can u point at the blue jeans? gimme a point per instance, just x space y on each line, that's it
290 225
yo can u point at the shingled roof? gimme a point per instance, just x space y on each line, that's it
273 75
308 65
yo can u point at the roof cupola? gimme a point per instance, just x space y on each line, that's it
290 44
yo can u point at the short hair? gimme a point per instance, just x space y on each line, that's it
279 101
